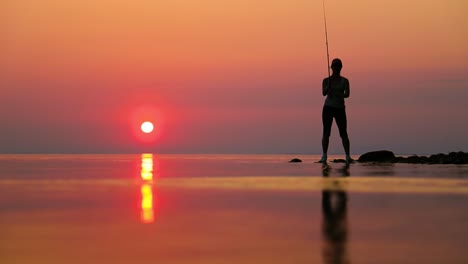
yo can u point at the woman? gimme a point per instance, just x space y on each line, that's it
336 88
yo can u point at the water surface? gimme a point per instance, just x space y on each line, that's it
228 209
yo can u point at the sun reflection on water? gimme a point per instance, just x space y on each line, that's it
146 189
147 167
147 211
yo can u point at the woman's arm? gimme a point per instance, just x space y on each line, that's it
347 91
325 86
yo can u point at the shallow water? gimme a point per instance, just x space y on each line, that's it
228 209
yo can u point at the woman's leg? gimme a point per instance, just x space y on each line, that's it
327 121
342 123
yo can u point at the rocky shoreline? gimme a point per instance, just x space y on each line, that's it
389 156
386 156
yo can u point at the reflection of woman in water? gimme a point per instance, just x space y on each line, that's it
335 225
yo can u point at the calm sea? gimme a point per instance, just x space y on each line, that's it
129 166
151 208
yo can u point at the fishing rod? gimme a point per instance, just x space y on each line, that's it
326 42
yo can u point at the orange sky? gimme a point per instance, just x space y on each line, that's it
230 76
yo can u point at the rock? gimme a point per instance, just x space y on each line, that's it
295 160
339 161
399 160
436 158
451 158
415 159
388 156
378 156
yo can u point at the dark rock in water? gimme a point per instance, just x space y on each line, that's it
436 158
415 159
339 161
454 158
378 156
295 160
451 158
458 157
388 156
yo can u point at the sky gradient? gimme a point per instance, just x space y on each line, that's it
230 76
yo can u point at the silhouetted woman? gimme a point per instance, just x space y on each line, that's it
336 88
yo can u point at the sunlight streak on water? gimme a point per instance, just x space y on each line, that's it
147 210
286 183
147 167
146 189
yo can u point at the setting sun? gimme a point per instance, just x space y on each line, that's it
147 127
